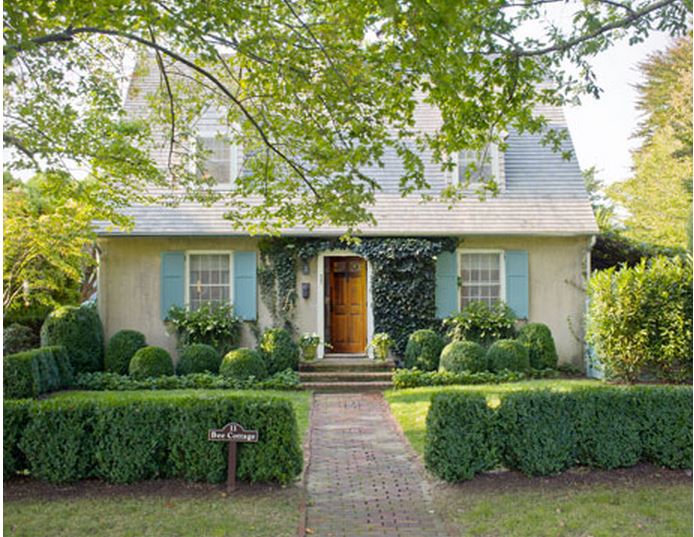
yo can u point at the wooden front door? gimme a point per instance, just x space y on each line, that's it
347 278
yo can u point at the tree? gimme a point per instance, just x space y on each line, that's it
47 251
658 196
315 91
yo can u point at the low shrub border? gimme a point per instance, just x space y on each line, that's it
122 440
414 378
284 380
31 373
540 432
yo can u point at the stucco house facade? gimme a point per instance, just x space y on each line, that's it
529 246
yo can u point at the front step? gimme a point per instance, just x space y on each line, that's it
346 365
345 376
346 387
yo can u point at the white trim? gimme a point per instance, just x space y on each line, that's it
320 300
188 253
502 270
495 165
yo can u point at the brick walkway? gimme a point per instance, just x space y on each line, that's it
363 479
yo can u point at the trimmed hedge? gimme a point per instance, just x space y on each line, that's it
120 350
243 364
414 378
537 338
151 362
279 350
541 432
198 358
31 373
424 350
79 330
462 356
508 354
14 419
142 437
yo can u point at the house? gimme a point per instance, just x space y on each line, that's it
528 246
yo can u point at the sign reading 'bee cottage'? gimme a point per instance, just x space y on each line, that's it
232 433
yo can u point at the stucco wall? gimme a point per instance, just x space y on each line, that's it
130 267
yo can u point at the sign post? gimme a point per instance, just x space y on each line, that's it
232 433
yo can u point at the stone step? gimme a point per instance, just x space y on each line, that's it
345 376
346 364
346 387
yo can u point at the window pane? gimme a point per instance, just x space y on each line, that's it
210 283
481 276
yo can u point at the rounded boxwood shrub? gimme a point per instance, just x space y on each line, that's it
537 338
151 362
279 350
460 356
242 364
198 358
121 348
508 354
79 331
423 350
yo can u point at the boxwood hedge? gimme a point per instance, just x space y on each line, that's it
31 373
126 439
540 432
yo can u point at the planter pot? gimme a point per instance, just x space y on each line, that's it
310 353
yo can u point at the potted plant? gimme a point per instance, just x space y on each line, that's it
381 345
309 345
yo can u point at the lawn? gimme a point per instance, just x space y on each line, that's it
599 510
410 406
301 400
272 513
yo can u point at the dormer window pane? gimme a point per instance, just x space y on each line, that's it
479 170
218 160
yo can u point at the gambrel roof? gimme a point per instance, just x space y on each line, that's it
543 195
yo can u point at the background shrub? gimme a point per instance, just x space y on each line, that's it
424 350
145 435
121 348
460 437
31 373
459 356
508 354
640 320
17 338
542 432
79 331
210 324
279 350
197 358
482 323
537 338
151 362
242 364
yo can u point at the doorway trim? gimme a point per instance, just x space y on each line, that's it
320 295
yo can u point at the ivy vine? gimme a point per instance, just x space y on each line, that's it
403 279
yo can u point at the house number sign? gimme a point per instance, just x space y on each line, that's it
232 433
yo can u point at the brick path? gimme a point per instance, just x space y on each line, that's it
363 479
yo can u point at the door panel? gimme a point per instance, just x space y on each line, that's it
347 280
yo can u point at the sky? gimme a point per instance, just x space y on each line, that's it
602 129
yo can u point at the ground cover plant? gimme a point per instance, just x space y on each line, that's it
130 436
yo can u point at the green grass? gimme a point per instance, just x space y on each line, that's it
301 400
270 514
650 509
410 406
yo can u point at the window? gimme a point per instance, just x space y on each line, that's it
484 166
209 279
481 277
219 158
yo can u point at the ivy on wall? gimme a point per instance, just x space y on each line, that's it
403 279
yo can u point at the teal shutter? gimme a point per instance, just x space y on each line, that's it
172 283
446 284
517 282
245 285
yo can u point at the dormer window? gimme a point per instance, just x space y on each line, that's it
482 166
220 158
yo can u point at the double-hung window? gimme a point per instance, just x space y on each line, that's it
209 276
479 165
220 158
481 277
